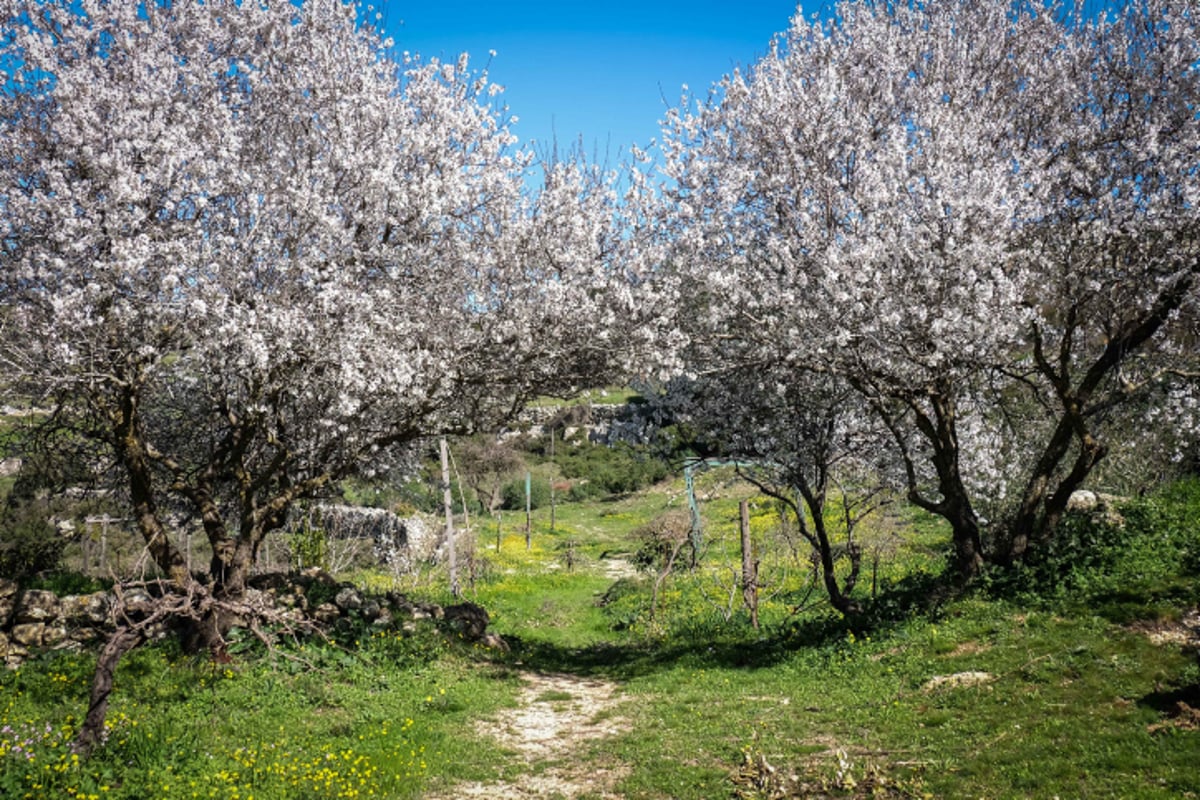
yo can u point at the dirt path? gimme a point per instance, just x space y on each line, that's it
556 718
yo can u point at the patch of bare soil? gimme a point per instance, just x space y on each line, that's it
557 716
1184 632
969 649
617 568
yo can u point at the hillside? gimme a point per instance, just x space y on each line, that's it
1089 688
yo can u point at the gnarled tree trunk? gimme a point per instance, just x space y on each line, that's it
91 733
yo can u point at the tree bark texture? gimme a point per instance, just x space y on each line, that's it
91 733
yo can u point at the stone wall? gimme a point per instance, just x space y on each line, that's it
33 621
36 620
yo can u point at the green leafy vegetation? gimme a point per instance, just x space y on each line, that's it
612 395
28 542
600 471
311 720
1073 676
1134 560
513 494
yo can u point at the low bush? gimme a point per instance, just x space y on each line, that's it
617 470
29 544
513 494
1126 561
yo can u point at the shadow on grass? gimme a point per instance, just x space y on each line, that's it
918 596
627 660
1171 702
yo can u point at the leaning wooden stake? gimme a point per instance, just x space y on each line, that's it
749 568
528 511
552 503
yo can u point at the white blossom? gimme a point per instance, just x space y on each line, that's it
286 254
953 206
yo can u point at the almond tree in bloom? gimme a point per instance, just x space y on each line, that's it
1111 339
801 439
249 255
980 217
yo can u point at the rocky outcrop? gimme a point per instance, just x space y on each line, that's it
601 423
34 621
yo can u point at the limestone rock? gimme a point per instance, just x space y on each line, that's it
469 619
84 609
72 608
493 641
36 620
348 599
406 608
1083 501
54 636
37 606
326 613
99 605
371 610
16 655
957 680
28 634
1103 508
86 636
8 600
138 603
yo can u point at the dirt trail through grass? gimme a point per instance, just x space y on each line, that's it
557 717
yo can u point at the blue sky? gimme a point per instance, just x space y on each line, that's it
599 71
602 73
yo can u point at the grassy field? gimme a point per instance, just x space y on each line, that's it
1071 679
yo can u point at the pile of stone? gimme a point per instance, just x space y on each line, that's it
34 621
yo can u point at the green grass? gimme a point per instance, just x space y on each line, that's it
613 395
312 721
1067 713
1077 701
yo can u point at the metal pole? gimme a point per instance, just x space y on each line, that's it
694 507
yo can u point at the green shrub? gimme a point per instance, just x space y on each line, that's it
626 602
29 544
309 547
619 469
65 582
1179 506
1121 565
584 490
513 494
